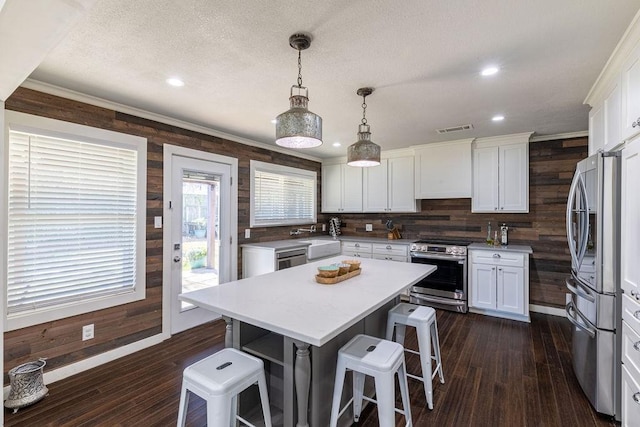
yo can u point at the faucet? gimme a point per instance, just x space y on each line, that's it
311 229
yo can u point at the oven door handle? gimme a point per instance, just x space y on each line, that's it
461 259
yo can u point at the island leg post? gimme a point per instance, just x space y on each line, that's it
302 378
228 332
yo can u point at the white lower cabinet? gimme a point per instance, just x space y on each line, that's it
389 251
630 387
357 249
499 283
630 397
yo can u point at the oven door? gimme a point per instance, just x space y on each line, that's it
448 281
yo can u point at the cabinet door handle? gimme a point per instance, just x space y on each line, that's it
389 247
357 245
636 314
636 345
501 207
636 397
496 255
499 269
634 293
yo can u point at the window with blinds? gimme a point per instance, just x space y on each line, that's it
74 223
281 195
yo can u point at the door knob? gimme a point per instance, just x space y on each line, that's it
176 258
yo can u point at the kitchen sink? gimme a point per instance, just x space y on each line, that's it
320 248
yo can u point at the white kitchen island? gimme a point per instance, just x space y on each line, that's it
298 325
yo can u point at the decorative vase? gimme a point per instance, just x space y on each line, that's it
27 385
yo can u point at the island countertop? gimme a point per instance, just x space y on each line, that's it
291 303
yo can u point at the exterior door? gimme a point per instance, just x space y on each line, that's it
200 215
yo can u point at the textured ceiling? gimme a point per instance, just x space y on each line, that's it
423 57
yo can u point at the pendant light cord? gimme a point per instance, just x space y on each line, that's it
299 68
364 109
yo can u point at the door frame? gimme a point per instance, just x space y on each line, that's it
167 251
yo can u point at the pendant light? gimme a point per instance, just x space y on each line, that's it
298 127
364 153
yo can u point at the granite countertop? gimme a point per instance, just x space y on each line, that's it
508 248
290 302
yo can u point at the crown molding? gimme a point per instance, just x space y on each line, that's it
567 135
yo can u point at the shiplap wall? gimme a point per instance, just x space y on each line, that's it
60 341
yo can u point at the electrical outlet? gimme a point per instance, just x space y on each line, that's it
324 227
87 332
368 227
157 222
247 233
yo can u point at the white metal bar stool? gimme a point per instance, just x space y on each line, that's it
219 379
424 320
381 359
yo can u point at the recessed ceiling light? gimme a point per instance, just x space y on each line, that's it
174 81
497 118
337 144
489 71
274 121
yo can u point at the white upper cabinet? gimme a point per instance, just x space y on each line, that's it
390 186
629 224
443 170
604 120
374 187
596 128
501 174
341 188
615 95
631 94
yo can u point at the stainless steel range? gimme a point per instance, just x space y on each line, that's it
445 288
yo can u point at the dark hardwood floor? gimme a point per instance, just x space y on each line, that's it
498 373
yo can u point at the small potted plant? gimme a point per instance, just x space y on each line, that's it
197 257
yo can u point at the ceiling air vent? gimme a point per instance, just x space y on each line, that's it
455 129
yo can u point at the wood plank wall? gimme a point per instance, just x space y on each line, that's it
551 167
60 341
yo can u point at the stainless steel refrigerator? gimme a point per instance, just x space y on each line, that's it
593 301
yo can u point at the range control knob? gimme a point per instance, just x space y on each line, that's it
414 247
423 248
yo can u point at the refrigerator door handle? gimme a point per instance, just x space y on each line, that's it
579 321
576 185
584 213
579 289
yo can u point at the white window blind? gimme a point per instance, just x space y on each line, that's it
72 221
282 195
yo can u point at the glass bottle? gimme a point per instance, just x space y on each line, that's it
489 239
496 242
504 241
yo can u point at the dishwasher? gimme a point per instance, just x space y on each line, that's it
265 258
290 258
